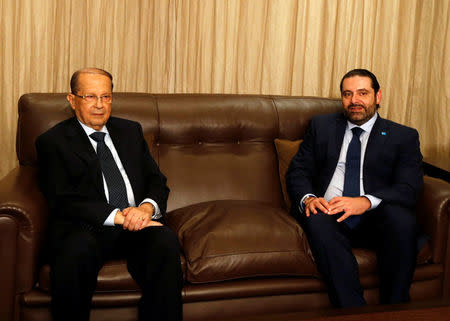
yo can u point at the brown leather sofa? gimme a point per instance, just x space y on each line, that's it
242 254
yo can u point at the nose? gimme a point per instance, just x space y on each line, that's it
354 99
99 103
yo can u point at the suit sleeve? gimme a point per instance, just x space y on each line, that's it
303 168
154 180
64 183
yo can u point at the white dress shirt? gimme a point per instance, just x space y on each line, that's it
336 186
131 201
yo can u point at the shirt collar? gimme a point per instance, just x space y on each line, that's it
88 130
367 126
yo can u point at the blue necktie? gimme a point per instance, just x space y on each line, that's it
114 180
352 172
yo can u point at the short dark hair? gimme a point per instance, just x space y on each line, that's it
74 79
362 73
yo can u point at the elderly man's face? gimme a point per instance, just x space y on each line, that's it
93 114
359 99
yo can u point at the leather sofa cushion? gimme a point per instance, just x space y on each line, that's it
233 239
286 150
112 277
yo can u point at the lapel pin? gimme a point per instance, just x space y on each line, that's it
383 133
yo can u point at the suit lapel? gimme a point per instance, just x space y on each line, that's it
79 143
375 144
335 137
338 133
377 139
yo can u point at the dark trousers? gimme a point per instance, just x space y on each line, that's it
390 230
153 260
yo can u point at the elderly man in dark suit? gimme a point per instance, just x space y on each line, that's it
107 199
354 182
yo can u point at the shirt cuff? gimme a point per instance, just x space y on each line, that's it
157 214
110 219
374 201
302 202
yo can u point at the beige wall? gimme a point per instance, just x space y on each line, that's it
230 46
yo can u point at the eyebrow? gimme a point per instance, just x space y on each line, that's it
357 90
105 93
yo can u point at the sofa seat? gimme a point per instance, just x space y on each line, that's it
239 240
113 276
243 292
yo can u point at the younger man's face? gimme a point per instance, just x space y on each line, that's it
359 99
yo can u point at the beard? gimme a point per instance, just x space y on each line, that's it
359 114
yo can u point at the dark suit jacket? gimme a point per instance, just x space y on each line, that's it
71 179
392 168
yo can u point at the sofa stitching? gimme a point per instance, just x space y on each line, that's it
275 106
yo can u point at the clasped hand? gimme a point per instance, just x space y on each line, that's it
348 205
136 218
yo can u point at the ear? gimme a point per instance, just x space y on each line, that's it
71 99
378 97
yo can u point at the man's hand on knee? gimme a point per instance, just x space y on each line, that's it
137 218
314 204
349 205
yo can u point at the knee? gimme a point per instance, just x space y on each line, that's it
78 248
319 224
163 239
76 262
324 232
400 221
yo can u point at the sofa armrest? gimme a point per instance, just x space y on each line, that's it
23 216
433 214
433 211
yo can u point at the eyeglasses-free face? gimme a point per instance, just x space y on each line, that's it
359 99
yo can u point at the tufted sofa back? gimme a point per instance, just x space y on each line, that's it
210 147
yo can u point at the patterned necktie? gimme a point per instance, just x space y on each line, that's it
114 180
352 173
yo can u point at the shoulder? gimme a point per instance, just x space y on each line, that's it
399 129
123 123
121 127
57 131
327 118
326 122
